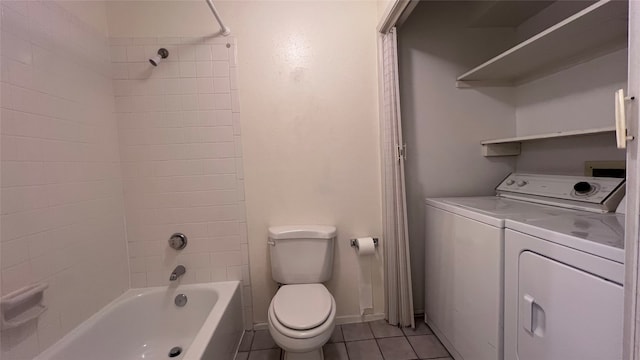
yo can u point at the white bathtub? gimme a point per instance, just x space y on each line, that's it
146 324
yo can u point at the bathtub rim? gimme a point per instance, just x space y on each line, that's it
225 294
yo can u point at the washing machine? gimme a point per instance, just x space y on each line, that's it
465 252
563 287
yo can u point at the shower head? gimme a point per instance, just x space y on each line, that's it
162 54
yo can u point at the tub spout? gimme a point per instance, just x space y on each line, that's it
177 272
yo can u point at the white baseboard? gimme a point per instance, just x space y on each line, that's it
350 319
346 319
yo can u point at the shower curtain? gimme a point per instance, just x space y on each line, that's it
398 295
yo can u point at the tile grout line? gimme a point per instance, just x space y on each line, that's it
411 345
344 342
406 337
376 340
253 337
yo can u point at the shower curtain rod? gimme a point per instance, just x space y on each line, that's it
223 29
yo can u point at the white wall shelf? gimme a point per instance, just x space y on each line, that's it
597 30
511 146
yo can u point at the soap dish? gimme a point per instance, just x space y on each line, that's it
23 305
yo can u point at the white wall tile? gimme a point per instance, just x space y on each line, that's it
187 53
181 167
136 54
205 85
222 101
221 69
61 193
187 69
203 53
204 69
220 52
118 54
221 85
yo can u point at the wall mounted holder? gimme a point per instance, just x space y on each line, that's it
354 243
23 305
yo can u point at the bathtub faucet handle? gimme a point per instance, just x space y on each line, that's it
177 272
178 241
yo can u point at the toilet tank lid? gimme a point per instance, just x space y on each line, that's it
302 232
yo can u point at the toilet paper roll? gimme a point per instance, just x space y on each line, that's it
366 248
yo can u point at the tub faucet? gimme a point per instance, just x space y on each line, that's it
177 272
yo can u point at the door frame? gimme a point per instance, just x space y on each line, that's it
397 11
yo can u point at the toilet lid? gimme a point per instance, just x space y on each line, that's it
302 307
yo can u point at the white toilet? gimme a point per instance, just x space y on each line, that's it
302 313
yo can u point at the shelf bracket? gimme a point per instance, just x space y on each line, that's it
502 149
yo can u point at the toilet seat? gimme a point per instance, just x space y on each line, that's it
321 329
303 306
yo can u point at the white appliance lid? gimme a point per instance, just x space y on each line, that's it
303 306
493 210
302 232
598 234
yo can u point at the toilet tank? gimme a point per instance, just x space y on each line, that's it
301 254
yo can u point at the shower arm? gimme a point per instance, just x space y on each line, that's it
223 28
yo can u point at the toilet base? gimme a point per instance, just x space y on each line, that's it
311 355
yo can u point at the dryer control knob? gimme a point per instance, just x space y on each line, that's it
582 187
510 182
521 183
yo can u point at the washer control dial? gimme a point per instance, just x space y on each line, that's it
521 183
510 182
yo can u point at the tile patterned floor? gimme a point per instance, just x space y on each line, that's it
364 341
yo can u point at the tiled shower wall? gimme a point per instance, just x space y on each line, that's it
62 212
182 161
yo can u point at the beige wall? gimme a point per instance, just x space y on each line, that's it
307 71
382 7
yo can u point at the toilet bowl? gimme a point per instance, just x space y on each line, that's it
302 313
301 320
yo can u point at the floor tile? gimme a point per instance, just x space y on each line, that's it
247 338
271 354
363 350
335 351
262 340
427 346
396 348
382 329
337 335
421 329
242 356
358 331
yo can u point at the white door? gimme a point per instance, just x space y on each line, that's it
565 313
632 295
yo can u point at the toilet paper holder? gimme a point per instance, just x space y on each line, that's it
354 243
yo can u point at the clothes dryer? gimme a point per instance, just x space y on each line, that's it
563 287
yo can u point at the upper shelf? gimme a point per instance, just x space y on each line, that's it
511 146
594 31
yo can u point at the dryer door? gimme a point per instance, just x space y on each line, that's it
566 313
